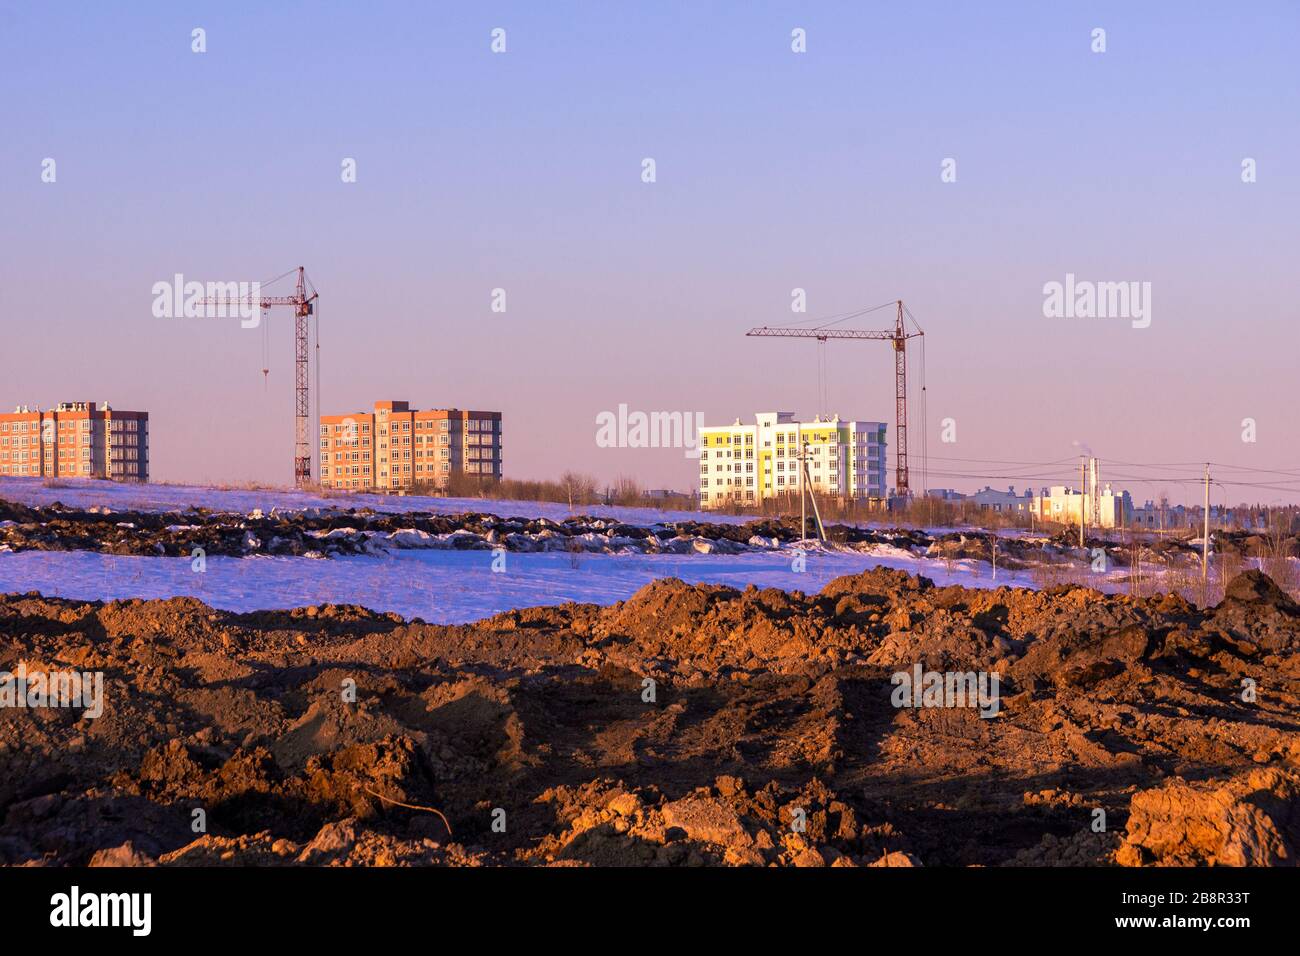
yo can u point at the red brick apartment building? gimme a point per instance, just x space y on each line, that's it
75 440
398 446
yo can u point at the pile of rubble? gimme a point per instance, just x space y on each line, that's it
689 725
331 533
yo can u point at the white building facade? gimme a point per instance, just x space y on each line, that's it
746 464
1067 506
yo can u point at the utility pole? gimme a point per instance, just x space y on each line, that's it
1083 505
1095 474
1205 543
803 511
806 486
1137 560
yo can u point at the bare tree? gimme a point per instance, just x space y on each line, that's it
627 491
1276 562
578 489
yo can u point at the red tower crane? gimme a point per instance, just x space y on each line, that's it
898 335
302 302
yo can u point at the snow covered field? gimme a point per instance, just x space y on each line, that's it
444 587
87 492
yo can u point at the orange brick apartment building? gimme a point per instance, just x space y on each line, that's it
75 440
398 446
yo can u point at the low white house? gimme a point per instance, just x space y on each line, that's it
1066 505
1006 502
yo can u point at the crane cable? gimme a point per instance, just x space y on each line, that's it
320 462
829 320
821 377
277 278
925 424
266 348
266 331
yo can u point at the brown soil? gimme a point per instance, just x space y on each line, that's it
769 708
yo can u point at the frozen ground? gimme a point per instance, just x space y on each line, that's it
442 587
438 586
87 492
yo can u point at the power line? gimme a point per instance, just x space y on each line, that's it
1261 471
1004 461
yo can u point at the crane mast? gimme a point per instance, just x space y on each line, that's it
302 384
903 484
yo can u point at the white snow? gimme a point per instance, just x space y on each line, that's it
444 587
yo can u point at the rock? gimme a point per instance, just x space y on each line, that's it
624 805
332 841
896 858
1083 657
1085 675
743 856
706 819
124 855
729 786
1252 820
808 857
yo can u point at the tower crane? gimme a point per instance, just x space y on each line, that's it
303 302
898 336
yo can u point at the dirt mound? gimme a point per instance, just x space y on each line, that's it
1255 587
688 725
333 532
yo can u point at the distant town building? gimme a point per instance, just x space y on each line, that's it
1066 505
397 447
1159 517
945 494
668 494
747 464
1005 502
75 440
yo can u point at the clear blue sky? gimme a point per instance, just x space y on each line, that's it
775 170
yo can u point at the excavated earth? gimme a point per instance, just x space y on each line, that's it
689 725
328 533
336 532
